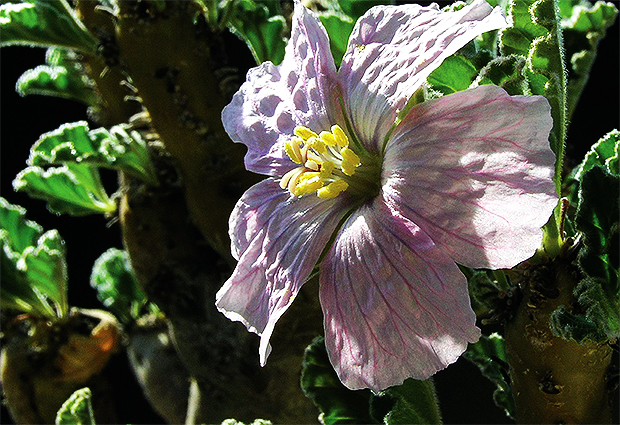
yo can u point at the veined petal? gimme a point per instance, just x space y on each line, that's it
474 171
395 305
278 239
392 51
301 91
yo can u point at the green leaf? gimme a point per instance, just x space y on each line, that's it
257 24
536 34
489 354
505 72
116 285
596 181
19 232
254 422
77 410
584 26
339 28
455 74
414 402
337 404
75 143
605 153
61 76
44 23
34 270
574 327
598 218
67 189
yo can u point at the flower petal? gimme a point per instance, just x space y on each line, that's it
395 305
278 240
474 171
302 90
392 51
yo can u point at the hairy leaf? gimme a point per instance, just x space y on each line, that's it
413 402
605 153
506 72
61 76
489 354
584 25
44 23
598 217
116 286
536 35
70 189
337 404
34 271
261 26
115 148
77 410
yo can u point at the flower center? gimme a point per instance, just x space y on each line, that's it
326 164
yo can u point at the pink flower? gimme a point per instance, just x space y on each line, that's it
383 202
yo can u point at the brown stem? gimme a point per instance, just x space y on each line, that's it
181 274
181 82
105 69
554 380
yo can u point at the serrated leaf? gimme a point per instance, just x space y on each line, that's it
75 143
44 23
116 286
34 270
505 72
337 404
64 189
598 293
257 24
77 410
413 402
536 34
574 327
489 354
598 217
61 76
20 233
605 153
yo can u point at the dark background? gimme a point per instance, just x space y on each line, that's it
464 394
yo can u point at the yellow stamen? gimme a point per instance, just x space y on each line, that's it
292 149
350 161
332 190
340 137
325 160
328 138
304 132
327 168
291 175
319 145
311 164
